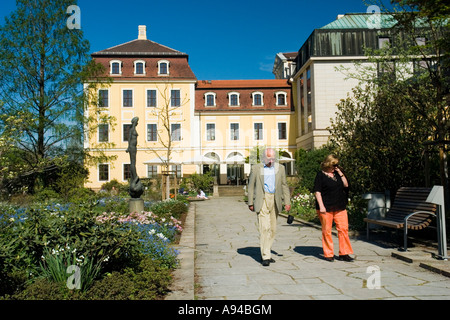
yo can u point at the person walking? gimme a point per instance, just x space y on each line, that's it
267 193
331 192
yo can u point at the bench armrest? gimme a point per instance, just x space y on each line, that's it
411 214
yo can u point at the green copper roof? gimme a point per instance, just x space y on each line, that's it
362 21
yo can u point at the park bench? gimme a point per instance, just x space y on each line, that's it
409 211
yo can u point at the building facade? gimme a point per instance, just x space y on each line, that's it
319 82
210 125
215 125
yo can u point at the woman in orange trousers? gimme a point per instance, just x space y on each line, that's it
330 189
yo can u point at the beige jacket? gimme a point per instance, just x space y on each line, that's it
256 187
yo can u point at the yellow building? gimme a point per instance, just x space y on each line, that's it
213 124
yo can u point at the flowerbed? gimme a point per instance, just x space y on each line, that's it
303 206
82 252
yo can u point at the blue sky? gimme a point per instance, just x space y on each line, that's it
232 39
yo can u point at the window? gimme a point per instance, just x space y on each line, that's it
103 98
115 67
257 98
152 171
103 172
127 98
163 67
386 70
139 67
177 169
126 171
151 98
258 131
234 131
210 99
103 134
126 132
384 42
282 132
175 129
233 99
210 132
152 133
421 41
281 98
175 100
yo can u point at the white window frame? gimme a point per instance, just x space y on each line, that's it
238 99
111 62
109 97
181 104
159 68
262 131
98 133
238 130
278 131
285 98
132 97
181 132
206 98
146 132
206 131
253 99
109 171
146 97
143 67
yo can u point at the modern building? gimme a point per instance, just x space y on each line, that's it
319 83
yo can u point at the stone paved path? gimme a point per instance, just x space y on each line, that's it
227 263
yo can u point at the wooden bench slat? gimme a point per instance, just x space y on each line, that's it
408 200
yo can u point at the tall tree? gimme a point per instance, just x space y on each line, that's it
412 72
43 64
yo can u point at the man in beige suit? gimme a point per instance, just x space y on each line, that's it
267 193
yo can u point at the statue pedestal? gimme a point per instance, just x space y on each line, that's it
136 205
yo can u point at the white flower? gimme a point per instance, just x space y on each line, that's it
161 236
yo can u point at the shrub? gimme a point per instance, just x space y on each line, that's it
169 207
149 281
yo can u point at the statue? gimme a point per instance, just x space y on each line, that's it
136 188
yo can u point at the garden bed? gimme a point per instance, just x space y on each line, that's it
118 256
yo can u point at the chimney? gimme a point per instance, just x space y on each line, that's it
142 33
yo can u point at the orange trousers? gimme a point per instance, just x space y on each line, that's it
341 220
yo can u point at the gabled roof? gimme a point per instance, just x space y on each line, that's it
139 48
361 21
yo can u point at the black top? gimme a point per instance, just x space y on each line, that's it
334 195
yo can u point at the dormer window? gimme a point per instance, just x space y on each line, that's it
257 99
139 67
115 67
163 67
281 98
210 99
233 99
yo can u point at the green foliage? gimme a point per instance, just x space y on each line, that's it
149 281
55 264
308 164
169 207
202 181
380 140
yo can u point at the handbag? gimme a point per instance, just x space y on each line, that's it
290 219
